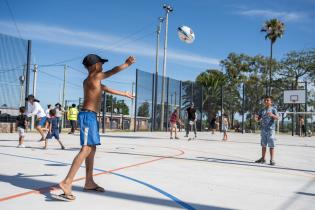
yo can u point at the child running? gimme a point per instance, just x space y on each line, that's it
89 134
173 121
268 116
52 126
21 124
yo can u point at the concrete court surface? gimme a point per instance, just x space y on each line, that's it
149 171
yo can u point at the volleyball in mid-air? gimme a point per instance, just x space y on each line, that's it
186 34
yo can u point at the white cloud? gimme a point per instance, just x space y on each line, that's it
286 16
93 40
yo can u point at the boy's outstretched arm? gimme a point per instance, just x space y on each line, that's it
130 60
117 92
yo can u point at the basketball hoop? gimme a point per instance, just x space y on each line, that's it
294 98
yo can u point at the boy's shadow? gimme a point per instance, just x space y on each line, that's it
21 180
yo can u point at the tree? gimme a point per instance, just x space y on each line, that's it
274 29
211 81
113 103
143 110
122 107
298 66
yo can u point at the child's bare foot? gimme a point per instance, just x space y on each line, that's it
65 188
93 187
96 189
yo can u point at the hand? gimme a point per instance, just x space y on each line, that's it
270 114
130 60
129 95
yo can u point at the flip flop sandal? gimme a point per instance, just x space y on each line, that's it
95 189
63 197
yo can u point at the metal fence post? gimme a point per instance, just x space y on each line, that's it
28 67
104 113
136 100
167 103
305 116
221 120
152 104
243 108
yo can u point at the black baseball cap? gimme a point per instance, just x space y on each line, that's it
29 97
92 59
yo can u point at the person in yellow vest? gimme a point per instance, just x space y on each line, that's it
72 116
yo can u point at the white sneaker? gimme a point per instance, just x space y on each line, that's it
21 146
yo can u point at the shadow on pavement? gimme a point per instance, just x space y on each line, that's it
44 187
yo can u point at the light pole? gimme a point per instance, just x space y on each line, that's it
34 91
167 9
35 79
64 93
158 31
22 79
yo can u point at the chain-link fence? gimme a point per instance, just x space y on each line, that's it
240 104
13 60
13 79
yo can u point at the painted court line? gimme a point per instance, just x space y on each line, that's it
102 172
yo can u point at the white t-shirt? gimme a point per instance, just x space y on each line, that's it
35 109
47 112
59 113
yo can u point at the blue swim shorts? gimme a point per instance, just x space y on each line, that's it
41 121
89 128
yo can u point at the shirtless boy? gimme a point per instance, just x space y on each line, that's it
89 135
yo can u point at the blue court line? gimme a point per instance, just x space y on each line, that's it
173 198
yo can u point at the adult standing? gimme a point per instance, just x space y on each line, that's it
35 109
72 116
59 114
191 120
302 126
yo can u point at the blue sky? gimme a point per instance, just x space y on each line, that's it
63 30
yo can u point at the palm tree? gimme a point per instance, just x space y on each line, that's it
211 81
274 29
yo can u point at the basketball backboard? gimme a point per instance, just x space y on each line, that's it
294 96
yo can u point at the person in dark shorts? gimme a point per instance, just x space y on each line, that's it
213 124
72 115
52 125
21 124
191 120
302 131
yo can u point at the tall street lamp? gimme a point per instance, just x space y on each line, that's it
167 9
